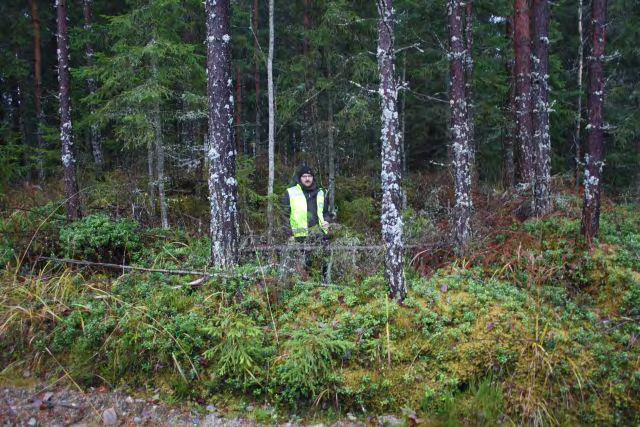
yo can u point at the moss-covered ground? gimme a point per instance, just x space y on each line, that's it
535 327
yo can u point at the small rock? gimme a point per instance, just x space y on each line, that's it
26 373
32 422
137 420
47 396
129 399
109 417
390 421
211 408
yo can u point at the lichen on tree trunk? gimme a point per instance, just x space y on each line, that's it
391 219
223 185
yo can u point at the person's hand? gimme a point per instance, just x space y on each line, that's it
325 224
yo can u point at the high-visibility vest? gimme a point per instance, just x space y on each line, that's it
298 217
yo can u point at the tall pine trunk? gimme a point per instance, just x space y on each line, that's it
94 132
461 147
594 159
524 124
542 138
272 122
223 185
578 136
391 179
256 76
37 96
509 119
66 132
468 91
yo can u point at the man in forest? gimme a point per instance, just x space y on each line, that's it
306 214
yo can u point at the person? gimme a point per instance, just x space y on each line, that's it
306 214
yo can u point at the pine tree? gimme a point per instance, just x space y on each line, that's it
541 136
94 133
223 186
524 124
461 149
391 157
66 132
594 159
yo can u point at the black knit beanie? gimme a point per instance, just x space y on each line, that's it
304 169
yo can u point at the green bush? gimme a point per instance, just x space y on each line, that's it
97 237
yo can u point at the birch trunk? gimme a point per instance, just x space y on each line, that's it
272 122
392 226
594 159
66 132
94 132
223 185
542 138
524 124
37 97
461 148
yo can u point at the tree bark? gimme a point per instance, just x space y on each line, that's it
151 183
37 97
66 133
468 91
594 159
272 122
391 220
578 136
508 136
94 133
256 76
461 148
223 185
524 124
542 138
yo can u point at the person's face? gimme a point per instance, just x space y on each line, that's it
306 179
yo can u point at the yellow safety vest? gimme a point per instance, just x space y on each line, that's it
298 217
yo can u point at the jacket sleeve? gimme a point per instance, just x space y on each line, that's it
285 214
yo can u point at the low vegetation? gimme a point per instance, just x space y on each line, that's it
534 328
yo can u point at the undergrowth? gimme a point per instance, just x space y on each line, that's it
537 329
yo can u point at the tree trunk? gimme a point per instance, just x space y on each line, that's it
524 125
332 158
272 122
94 133
391 159
256 76
66 134
223 185
594 159
578 137
542 138
468 92
238 134
507 136
151 183
461 149
37 98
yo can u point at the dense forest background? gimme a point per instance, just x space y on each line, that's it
454 296
324 67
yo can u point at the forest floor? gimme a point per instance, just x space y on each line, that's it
535 326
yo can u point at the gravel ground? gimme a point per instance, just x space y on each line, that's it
36 406
63 406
